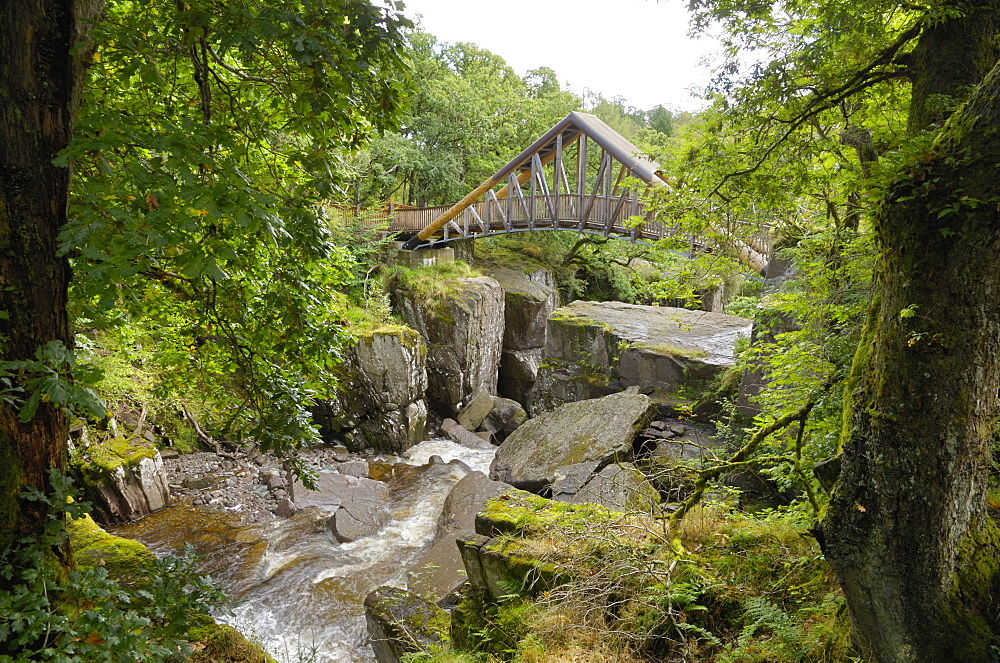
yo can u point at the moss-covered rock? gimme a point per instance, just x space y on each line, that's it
126 560
601 430
384 378
400 622
123 477
593 347
461 318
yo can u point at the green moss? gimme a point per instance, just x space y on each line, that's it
976 581
436 278
221 643
126 560
859 367
672 350
116 452
521 513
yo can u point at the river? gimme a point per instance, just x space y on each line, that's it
296 590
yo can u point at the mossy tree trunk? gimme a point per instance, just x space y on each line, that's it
40 79
907 530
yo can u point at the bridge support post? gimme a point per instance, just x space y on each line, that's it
399 256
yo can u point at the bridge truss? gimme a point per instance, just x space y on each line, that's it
581 175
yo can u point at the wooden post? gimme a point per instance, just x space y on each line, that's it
581 177
556 170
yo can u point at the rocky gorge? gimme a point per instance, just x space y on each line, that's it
490 388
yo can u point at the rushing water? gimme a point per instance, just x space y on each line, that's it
298 591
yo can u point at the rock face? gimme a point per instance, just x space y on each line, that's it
595 348
600 430
124 479
464 334
384 377
400 622
357 507
528 302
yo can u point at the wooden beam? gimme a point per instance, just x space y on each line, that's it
556 170
605 164
524 173
581 176
533 200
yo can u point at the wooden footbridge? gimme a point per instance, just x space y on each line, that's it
581 175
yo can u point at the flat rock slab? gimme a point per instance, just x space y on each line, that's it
696 335
571 479
600 429
475 410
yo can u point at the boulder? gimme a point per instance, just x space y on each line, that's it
527 306
459 434
475 410
571 479
354 468
600 430
464 333
400 622
127 561
528 302
439 572
123 478
620 487
504 418
382 407
356 506
495 565
594 348
466 500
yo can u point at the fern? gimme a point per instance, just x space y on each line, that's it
767 615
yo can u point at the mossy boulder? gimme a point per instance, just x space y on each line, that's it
384 377
126 560
122 477
601 430
221 643
524 514
400 622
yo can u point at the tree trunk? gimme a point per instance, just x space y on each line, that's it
906 530
951 57
40 78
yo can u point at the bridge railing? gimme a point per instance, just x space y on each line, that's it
610 215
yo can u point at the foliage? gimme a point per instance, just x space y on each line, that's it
585 266
207 136
54 376
435 285
50 615
749 588
469 114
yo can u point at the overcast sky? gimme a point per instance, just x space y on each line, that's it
636 49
